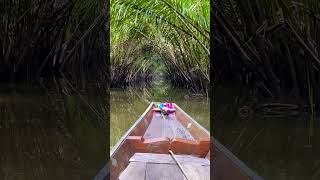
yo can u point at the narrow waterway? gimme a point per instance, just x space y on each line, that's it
46 134
127 105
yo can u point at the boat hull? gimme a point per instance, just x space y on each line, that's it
137 140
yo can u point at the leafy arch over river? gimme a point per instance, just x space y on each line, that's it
178 31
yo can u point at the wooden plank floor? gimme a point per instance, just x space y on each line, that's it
167 159
150 166
169 127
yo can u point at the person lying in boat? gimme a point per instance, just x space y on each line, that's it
165 108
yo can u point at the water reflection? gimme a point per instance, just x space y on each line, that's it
127 105
47 134
276 148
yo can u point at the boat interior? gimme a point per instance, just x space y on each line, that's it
144 152
175 146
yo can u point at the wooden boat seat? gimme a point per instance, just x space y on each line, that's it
150 166
164 134
163 145
166 128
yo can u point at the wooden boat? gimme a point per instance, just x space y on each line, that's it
171 147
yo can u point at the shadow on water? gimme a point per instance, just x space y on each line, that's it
284 148
127 105
49 134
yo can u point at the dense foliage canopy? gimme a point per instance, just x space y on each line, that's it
270 46
177 31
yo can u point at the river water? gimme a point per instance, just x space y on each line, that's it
49 134
282 148
52 134
55 133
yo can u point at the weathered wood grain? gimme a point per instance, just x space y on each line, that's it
167 159
195 129
169 127
178 129
120 160
196 172
135 170
163 172
155 128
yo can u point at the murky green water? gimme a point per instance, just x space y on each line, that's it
285 148
128 105
49 134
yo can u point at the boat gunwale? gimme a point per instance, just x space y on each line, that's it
192 120
216 144
242 166
123 138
